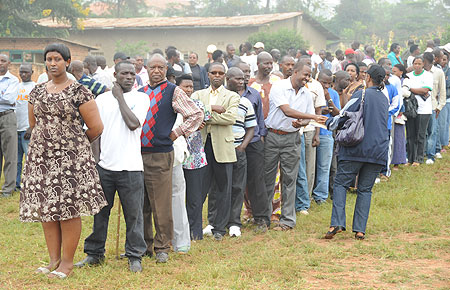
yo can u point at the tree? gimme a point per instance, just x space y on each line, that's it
124 8
317 8
217 8
283 39
17 16
133 48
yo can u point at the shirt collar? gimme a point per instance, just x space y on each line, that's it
157 85
215 92
7 75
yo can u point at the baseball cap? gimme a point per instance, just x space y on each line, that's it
258 45
211 48
120 55
349 51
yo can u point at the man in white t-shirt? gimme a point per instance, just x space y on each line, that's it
120 168
289 102
23 134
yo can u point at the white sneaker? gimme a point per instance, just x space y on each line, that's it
304 212
438 155
235 231
429 161
207 231
377 180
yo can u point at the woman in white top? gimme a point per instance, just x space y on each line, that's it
419 85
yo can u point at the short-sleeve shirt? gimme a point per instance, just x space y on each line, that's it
121 147
22 105
422 80
246 118
282 93
318 97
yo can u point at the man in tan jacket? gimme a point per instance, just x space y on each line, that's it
218 140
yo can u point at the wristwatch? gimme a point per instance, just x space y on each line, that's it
330 101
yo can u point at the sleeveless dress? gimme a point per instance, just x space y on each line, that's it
60 181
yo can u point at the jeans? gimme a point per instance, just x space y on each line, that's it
302 200
323 158
346 173
22 149
444 124
130 187
432 136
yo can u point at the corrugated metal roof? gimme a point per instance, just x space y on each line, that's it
149 22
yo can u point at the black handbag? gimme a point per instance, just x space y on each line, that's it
411 106
352 132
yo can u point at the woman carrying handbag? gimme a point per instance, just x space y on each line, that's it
365 157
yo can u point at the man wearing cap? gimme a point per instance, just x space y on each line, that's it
259 47
349 57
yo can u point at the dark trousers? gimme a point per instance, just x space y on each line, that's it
158 201
130 187
194 200
346 173
416 131
237 189
257 193
217 184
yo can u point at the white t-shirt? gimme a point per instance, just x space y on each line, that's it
409 61
251 61
282 93
318 97
335 65
423 80
22 105
120 148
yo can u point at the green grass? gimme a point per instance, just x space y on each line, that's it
407 246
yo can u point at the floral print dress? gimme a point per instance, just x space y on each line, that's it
60 181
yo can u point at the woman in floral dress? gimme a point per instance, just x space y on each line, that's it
60 182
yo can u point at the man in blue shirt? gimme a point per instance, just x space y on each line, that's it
9 85
324 152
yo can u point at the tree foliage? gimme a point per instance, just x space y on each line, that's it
283 39
133 48
360 19
124 8
17 16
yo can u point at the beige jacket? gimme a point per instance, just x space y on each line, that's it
220 125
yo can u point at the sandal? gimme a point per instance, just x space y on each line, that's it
330 234
57 274
46 270
282 228
360 236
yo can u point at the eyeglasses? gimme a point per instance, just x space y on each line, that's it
220 73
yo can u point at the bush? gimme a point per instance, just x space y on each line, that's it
283 39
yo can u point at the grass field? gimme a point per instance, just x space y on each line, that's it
407 246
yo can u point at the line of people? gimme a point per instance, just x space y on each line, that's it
245 136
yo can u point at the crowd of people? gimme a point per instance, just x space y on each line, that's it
257 134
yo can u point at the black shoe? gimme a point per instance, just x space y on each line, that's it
148 254
162 257
337 229
261 227
135 265
218 237
91 261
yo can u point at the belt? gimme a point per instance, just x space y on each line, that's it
6 112
280 132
